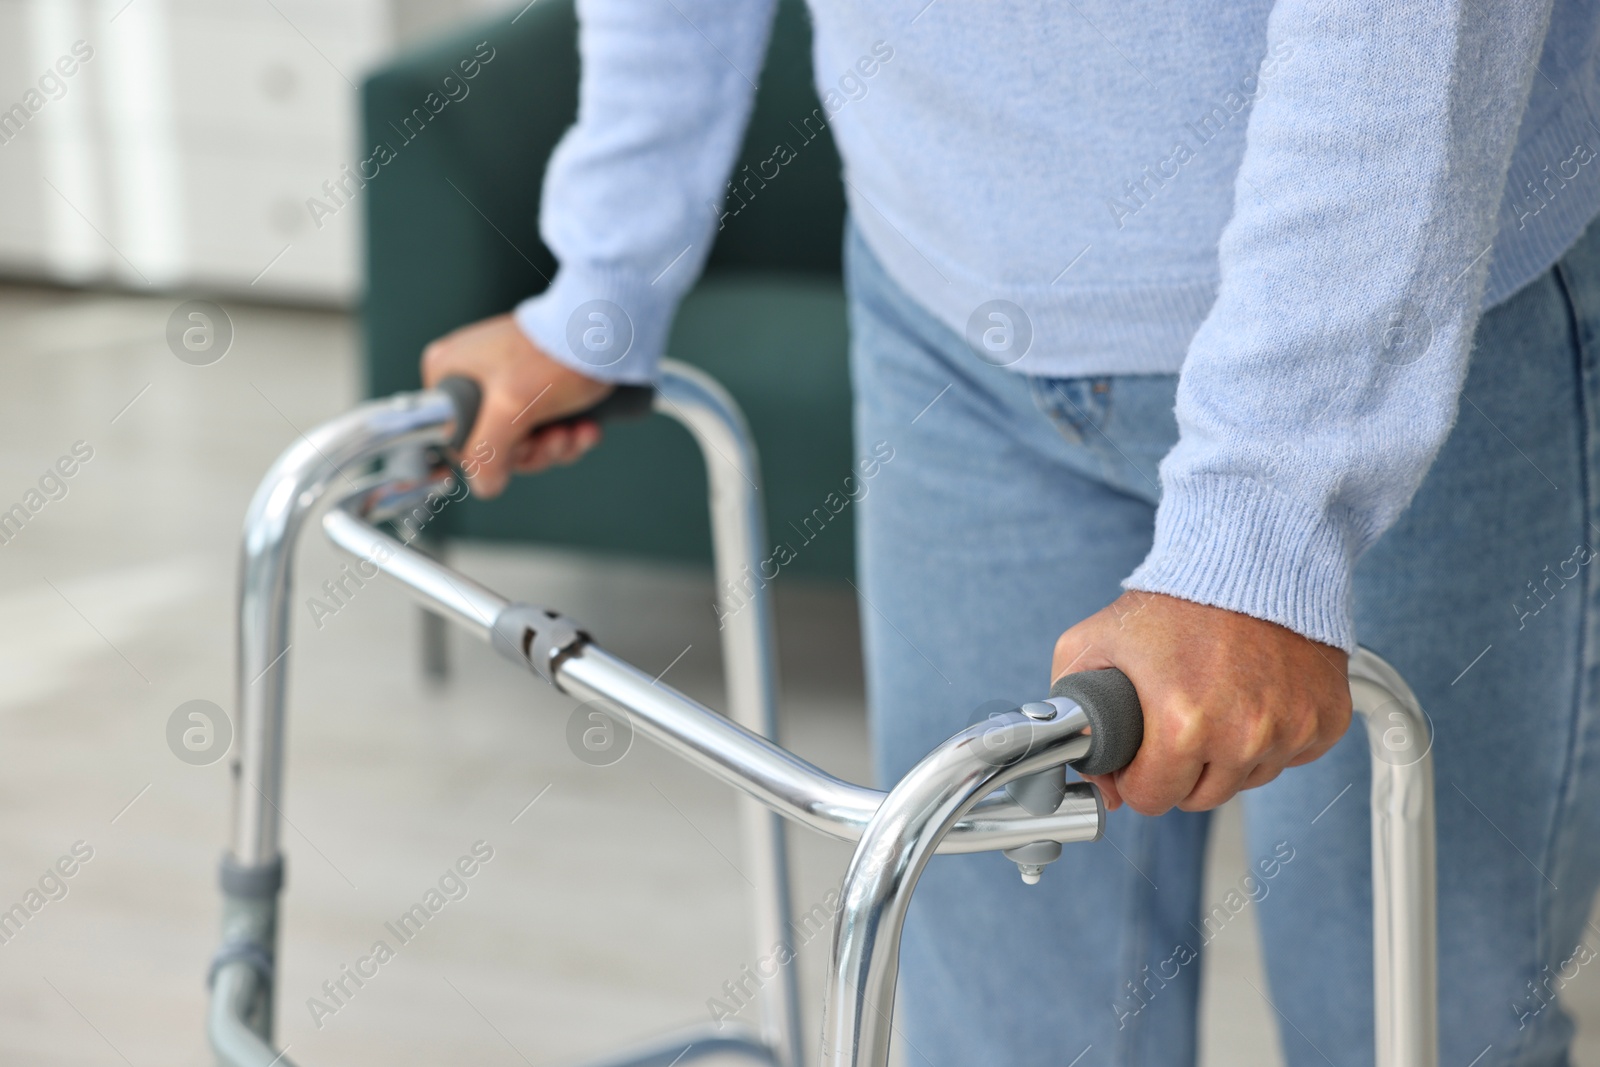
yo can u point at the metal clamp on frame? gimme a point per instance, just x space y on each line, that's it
537 638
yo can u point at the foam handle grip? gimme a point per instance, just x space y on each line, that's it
623 402
467 396
1111 705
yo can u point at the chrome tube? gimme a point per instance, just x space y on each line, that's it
785 783
858 1005
236 1045
734 754
749 661
272 523
910 824
1405 950
434 586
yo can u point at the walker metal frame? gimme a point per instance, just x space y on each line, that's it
954 801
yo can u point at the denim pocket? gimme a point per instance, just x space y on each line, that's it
1078 407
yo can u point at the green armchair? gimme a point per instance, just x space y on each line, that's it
452 236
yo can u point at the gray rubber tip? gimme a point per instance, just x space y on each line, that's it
466 395
1111 704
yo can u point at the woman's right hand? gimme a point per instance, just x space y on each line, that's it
524 390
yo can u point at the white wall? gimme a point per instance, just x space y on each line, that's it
182 153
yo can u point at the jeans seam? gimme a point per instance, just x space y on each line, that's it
1560 815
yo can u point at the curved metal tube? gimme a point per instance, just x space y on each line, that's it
859 1004
1405 939
272 523
236 990
788 784
749 660
458 598
911 823
729 751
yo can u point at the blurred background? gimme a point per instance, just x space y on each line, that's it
182 152
163 158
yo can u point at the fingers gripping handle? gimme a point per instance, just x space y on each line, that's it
623 402
1111 704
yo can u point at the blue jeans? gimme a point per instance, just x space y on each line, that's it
1013 507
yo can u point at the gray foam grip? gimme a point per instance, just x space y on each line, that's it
1111 704
467 396
623 402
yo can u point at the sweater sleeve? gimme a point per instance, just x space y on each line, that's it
633 193
1327 375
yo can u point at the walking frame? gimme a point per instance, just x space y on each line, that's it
999 785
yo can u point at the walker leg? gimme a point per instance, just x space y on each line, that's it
239 1022
859 1003
858 1007
1404 892
749 654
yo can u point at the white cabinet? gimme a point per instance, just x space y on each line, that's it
181 154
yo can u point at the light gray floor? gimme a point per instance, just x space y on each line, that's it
611 910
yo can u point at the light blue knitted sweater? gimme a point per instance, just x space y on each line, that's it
1301 205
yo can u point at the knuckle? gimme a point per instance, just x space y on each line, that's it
1307 732
1186 729
1261 735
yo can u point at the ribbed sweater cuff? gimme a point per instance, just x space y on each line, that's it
607 324
1234 543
